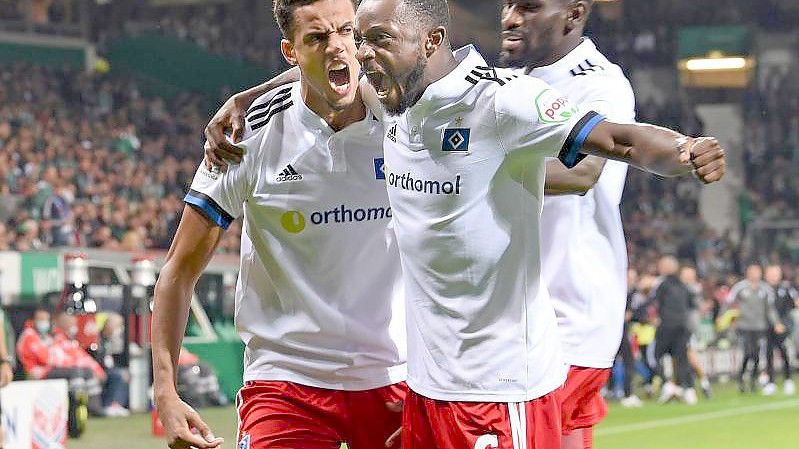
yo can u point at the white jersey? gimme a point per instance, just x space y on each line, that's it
319 297
583 250
465 176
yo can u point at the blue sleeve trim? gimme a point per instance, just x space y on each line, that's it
209 208
570 153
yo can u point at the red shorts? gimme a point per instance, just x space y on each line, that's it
581 401
286 415
432 424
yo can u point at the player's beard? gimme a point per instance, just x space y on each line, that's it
512 60
411 87
534 52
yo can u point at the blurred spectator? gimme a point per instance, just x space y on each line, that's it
77 363
754 300
689 278
46 354
643 329
674 301
76 171
57 215
34 345
197 383
785 299
111 348
6 363
626 352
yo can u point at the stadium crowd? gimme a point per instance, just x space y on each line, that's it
87 161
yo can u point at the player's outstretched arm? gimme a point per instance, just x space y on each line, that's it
230 118
658 150
194 245
575 181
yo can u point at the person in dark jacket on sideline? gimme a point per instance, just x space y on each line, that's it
674 302
785 298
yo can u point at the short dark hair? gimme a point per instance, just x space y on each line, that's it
284 13
428 13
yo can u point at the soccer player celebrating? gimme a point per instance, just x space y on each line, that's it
465 153
318 301
583 250
465 148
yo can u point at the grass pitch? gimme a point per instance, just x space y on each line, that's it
728 421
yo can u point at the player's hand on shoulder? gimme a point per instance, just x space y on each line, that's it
179 420
708 159
228 119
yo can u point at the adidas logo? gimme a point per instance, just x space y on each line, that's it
289 174
392 133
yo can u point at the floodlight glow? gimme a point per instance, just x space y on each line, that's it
707 64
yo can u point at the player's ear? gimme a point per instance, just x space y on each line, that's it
576 15
435 39
287 48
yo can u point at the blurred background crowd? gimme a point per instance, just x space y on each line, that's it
87 160
92 160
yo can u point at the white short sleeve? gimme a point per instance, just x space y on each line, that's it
613 98
533 116
220 196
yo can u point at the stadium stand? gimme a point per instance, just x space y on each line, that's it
86 161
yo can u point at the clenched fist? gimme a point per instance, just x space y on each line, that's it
708 159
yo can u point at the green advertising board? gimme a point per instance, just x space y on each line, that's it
700 41
43 54
40 273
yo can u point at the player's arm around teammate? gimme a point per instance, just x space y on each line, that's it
194 245
230 118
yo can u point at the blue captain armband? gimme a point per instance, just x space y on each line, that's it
208 207
570 154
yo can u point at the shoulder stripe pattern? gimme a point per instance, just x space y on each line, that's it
208 207
272 113
489 74
281 92
570 153
583 71
268 110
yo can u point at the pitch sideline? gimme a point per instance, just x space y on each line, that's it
697 417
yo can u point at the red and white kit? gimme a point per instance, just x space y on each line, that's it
583 250
465 175
319 301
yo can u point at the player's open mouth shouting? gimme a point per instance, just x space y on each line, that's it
380 82
340 77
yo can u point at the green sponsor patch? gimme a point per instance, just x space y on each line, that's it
553 107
